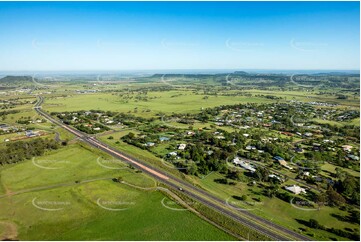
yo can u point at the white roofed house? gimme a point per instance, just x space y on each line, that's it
273 176
295 189
244 164
182 146
150 144
173 153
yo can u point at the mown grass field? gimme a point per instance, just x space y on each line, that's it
181 102
80 217
68 164
72 210
309 96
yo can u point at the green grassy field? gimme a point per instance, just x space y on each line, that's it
331 168
162 102
69 164
274 209
84 214
80 210
355 121
285 214
74 174
305 96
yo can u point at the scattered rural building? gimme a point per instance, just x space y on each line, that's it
173 153
250 147
295 189
306 173
30 133
308 134
182 146
328 141
353 157
163 139
149 144
244 164
273 176
282 162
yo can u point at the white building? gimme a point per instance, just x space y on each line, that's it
295 189
182 146
173 153
244 164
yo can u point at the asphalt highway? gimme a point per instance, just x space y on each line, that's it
254 222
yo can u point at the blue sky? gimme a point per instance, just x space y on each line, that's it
179 35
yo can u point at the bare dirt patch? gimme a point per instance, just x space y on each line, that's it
10 231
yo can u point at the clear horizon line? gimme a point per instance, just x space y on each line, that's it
194 69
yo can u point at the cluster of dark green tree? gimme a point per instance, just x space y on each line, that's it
15 152
353 235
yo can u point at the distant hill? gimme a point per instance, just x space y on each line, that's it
16 80
183 75
241 73
337 74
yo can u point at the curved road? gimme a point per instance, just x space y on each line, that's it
263 226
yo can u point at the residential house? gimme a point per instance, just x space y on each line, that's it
182 146
295 189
